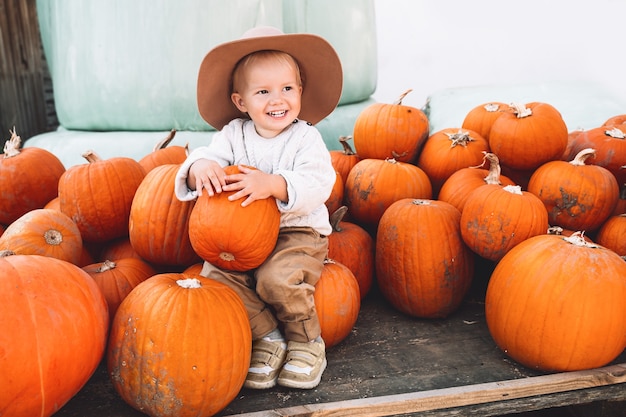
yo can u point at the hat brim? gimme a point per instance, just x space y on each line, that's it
318 61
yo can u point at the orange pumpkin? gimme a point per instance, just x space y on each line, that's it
460 184
337 302
179 346
159 223
576 196
396 131
556 303
374 184
480 118
98 195
115 249
526 136
28 179
609 143
335 200
497 218
45 232
344 160
230 236
163 154
352 246
611 234
448 151
117 279
54 323
423 268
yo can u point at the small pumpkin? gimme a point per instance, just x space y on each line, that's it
98 195
179 346
28 178
163 154
116 279
343 160
374 184
576 196
230 236
337 302
611 234
528 135
394 130
449 150
460 184
54 323
45 232
481 118
423 267
352 246
556 303
495 219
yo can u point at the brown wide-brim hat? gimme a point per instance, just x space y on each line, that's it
320 68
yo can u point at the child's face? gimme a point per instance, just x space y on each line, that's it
270 94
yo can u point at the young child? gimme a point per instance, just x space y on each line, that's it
263 93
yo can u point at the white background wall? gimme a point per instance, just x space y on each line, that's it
429 45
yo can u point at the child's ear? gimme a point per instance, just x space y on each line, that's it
238 102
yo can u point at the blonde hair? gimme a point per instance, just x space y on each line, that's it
260 56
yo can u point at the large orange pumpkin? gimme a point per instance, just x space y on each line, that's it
611 234
422 265
577 196
337 302
497 218
230 236
28 179
395 130
98 195
374 184
45 232
526 136
158 226
556 303
179 346
116 279
53 331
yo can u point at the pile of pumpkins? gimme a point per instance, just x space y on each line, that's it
100 260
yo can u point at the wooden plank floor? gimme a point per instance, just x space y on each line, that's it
393 364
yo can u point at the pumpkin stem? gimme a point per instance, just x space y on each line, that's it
615 133
555 230
12 146
491 107
347 149
165 141
513 189
460 138
337 217
421 202
582 156
189 283
107 265
402 96
520 110
6 252
91 156
53 237
493 176
329 261
578 239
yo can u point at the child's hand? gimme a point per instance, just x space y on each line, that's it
256 185
206 174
